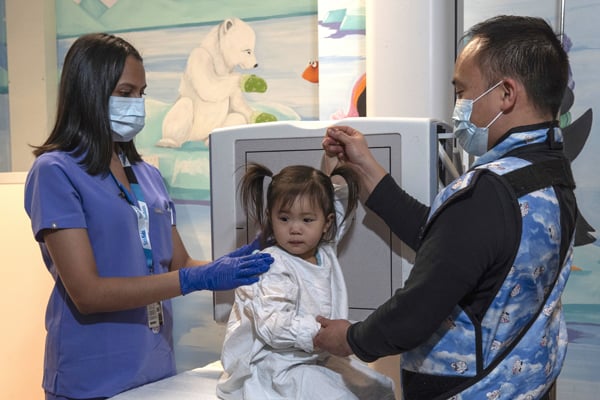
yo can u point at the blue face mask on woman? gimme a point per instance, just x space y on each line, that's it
472 138
127 117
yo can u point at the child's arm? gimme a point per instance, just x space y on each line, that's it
272 306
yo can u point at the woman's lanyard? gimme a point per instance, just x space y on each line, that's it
139 206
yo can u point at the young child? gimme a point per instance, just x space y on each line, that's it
268 349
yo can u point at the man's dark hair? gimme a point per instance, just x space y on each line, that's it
525 49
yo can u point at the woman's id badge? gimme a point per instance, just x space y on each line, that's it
155 316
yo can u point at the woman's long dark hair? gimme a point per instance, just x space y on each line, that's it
285 187
92 67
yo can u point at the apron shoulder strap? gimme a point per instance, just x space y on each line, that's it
540 175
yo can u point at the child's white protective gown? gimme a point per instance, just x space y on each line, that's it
268 349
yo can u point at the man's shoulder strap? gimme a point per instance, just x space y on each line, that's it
540 175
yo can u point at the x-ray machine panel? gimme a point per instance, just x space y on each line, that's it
374 261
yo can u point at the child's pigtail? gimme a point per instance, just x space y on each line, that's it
252 197
351 179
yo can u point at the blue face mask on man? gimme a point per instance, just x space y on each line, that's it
127 117
472 138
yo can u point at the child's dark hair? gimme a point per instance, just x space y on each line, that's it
291 182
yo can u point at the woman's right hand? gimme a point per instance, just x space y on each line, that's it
225 273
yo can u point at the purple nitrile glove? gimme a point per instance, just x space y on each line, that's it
224 273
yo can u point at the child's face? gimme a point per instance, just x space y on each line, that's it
299 228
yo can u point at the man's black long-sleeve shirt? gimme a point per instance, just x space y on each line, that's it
462 259
464 254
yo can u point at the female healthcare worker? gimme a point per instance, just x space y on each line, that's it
106 228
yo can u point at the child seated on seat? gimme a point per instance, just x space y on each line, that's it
268 349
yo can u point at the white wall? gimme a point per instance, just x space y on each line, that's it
24 294
32 81
32 75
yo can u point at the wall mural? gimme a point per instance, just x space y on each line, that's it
581 300
5 163
342 58
196 83
211 91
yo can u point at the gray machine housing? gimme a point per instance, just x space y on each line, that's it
374 261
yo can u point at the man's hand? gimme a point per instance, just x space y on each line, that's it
332 336
345 143
350 146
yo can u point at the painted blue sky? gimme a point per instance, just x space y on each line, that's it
75 17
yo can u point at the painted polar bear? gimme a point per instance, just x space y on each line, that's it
210 94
